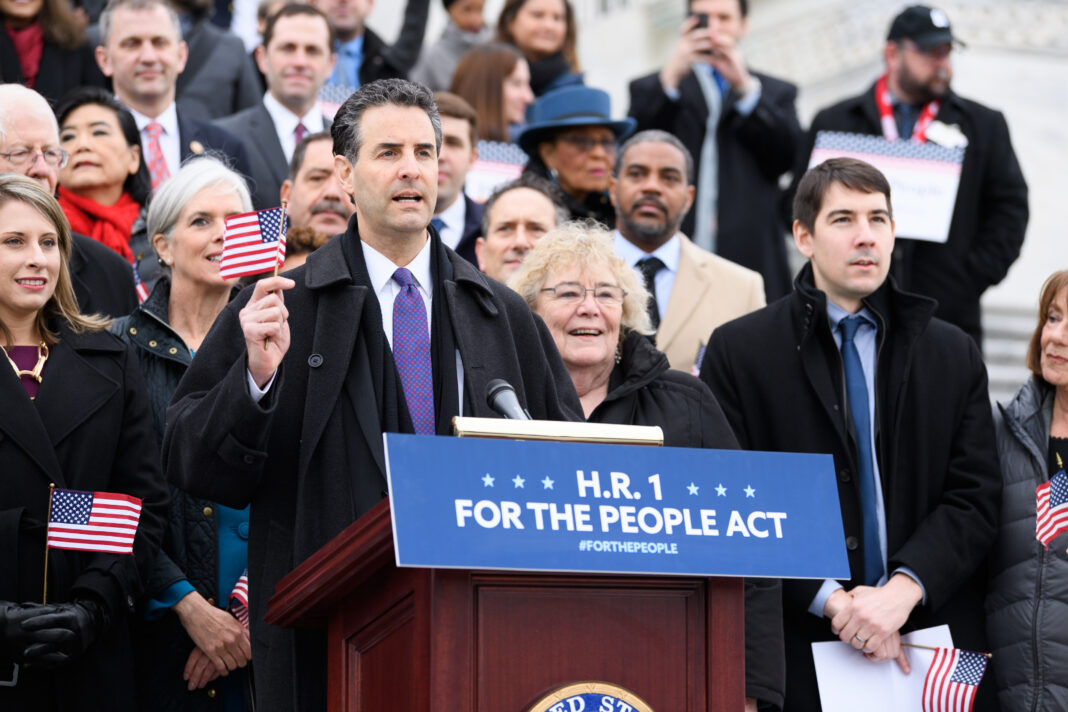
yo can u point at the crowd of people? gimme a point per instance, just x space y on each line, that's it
471 210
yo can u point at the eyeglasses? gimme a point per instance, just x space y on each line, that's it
55 157
572 293
586 144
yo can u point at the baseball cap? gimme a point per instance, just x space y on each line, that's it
926 26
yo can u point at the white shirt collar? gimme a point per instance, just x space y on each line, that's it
453 217
285 121
669 253
168 120
380 269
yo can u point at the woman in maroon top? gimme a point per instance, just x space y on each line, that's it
73 412
43 46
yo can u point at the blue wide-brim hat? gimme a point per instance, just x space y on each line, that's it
570 106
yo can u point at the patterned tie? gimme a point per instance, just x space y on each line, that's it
857 392
300 132
411 352
157 167
706 205
649 266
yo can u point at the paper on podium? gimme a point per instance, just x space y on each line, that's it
848 681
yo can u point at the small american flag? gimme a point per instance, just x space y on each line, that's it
952 680
93 521
139 285
239 599
253 243
1051 518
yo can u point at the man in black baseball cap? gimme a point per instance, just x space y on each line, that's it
913 101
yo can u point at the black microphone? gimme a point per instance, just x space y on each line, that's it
502 399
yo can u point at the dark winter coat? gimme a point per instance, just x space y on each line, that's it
88 429
778 376
989 218
308 464
382 61
190 542
643 390
754 152
61 70
1027 604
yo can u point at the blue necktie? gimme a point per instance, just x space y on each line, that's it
437 223
411 352
857 392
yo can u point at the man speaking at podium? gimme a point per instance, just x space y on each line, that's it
383 330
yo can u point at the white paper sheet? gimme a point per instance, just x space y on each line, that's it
848 681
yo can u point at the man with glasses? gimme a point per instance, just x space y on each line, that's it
29 145
914 100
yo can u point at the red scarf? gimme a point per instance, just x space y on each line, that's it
29 45
107 224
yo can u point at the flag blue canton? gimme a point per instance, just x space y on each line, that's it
970 668
841 141
1058 490
269 220
71 507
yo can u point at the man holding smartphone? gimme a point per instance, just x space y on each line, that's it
741 127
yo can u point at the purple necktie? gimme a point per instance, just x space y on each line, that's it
411 352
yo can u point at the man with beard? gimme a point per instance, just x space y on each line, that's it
296 58
914 99
692 290
315 198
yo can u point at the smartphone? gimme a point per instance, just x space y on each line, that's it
702 19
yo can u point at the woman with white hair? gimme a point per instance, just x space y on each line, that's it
189 638
595 307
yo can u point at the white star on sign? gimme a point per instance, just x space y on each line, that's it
487 481
692 488
721 490
547 483
750 492
518 482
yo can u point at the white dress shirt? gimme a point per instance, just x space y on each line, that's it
285 123
453 217
170 142
668 253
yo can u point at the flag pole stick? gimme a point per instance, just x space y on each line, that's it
928 647
281 232
44 595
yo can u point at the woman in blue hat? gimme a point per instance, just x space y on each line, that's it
571 139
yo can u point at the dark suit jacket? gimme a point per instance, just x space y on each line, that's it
198 136
754 151
382 61
61 69
269 165
472 231
103 281
219 78
308 461
88 429
777 374
989 219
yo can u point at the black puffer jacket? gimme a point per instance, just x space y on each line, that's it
1027 600
190 544
643 390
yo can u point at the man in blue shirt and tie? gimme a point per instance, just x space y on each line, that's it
849 364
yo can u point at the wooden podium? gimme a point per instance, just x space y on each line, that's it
446 640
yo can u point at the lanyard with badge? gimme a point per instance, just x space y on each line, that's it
886 114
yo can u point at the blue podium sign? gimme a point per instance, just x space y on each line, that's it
575 507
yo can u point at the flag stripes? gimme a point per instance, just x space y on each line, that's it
93 521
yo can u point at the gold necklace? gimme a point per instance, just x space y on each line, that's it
35 372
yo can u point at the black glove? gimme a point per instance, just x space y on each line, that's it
14 639
61 632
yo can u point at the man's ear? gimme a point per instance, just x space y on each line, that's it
102 60
803 239
285 190
480 245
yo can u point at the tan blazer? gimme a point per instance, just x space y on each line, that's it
708 291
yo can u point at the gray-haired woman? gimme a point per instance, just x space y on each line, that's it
188 639
595 307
